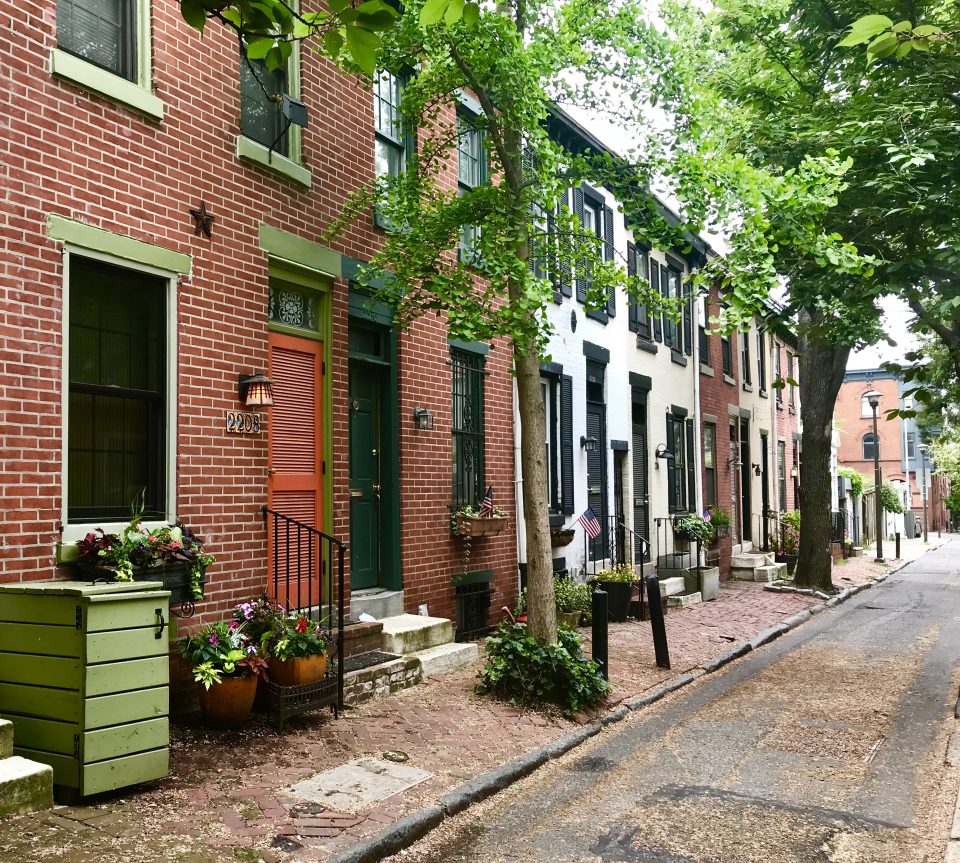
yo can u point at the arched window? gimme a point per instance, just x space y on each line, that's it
871 447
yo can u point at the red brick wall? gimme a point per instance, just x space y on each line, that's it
716 395
68 152
853 427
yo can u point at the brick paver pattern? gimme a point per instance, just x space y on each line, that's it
225 801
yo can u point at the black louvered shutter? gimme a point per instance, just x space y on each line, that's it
655 287
566 444
691 471
578 212
671 485
669 327
687 320
563 260
608 256
633 307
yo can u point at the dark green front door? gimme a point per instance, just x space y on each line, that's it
365 457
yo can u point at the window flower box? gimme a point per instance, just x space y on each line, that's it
174 576
473 526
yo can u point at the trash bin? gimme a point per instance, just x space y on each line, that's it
84 677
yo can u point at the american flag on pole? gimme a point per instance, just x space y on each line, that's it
707 514
590 523
486 507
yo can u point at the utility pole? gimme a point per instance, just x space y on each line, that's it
923 485
874 399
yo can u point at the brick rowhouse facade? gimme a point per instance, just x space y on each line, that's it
87 176
719 406
787 407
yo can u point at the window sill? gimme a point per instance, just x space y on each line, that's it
763 394
792 409
706 370
646 345
729 380
747 388
252 151
83 74
678 358
779 406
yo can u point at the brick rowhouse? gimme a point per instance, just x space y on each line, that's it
70 153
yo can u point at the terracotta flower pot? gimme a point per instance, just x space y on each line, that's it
298 671
228 704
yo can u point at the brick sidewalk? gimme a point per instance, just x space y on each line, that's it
224 800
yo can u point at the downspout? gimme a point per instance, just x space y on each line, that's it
697 422
518 485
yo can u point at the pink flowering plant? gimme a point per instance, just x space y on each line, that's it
222 649
136 547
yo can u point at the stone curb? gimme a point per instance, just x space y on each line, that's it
399 835
417 824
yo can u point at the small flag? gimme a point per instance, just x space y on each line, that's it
588 521
707 514
486 507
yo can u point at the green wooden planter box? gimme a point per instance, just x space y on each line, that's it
84 677
174 577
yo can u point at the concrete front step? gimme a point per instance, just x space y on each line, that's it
25 786
408 633
376 602
751 560
445 658
671 586
6 738
769 573
684 600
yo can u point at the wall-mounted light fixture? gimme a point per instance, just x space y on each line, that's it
589 443
422 419
661 452
757 470
256 391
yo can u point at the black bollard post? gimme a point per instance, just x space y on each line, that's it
660 647
896 538
599 632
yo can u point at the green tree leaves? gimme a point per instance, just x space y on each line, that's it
887 39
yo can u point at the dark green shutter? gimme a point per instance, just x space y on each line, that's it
687 320
566 444
655 287
563 260
671 469
633 307
578 212
691 471
608 256
668 325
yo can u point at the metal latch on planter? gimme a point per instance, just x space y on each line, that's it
78 618
76 745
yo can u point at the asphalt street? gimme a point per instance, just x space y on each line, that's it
825 746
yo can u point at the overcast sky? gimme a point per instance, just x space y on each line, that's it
897 316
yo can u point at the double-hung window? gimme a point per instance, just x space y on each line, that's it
680 479
762 361
778 373
782 473
118 397
471 171
104 46
467 427
726 354
745 358
792 377
267 137
710 464
638 266
392 149
702 332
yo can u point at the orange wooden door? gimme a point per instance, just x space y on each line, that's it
295 487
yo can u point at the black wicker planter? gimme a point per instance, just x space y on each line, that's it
619 594
175 578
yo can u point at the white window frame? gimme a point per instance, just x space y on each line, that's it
72 532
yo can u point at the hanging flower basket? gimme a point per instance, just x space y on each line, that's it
560 538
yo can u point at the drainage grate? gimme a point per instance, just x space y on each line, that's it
367 660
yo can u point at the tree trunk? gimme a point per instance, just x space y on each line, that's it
541 607
821 374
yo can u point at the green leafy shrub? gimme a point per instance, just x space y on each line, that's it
790 531
524 670
692 528
622 572
856 480
719 517
569 597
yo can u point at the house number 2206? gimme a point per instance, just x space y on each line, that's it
241 423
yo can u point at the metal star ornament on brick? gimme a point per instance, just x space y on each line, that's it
203 221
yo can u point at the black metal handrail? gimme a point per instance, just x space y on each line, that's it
619 539
302 580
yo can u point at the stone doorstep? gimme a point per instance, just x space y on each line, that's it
684 600
447 657
25 786
408 633
376 602
768 573
6 738
751 560
672 586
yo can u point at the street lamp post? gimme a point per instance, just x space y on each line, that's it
874 399
923 485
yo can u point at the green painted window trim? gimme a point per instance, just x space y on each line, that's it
254 152
126 248
298 252
133 94
472 347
